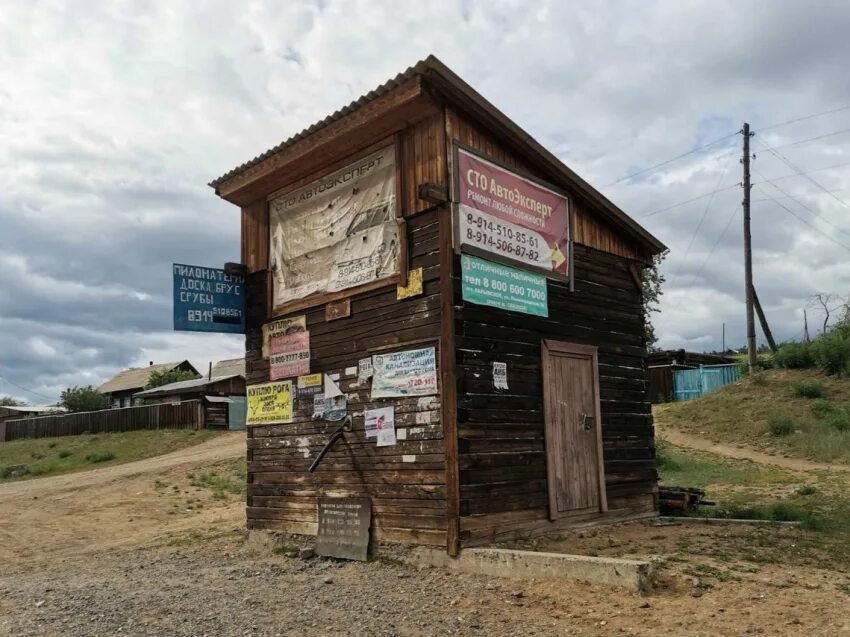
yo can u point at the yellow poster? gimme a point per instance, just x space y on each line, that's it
310 380
413 287
281 327
270 403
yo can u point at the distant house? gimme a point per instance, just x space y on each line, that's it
124 385
13 412
222 398
661 365
229 367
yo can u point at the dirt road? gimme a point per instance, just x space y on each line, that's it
50 518
682 439
137 550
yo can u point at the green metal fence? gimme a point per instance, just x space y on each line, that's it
693 383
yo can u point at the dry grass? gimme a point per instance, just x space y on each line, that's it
742 413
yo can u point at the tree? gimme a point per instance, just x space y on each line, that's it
83 399
830 303
168 376
8 401
651 281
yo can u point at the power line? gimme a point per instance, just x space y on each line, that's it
799 170
798 174
29 391
812 139
804 118
669 161
719 239
818 230
702 219
692 199
813 212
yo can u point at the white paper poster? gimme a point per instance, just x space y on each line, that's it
364 369
409 373
378 420
337 232
331 389
500 375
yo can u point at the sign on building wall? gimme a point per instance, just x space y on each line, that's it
280 327
506 215
289 355
501 286
337 232
270 403
208 300
409 373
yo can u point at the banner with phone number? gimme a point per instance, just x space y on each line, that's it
510 216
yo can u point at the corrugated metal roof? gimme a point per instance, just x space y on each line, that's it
445 80
386 87
135 377
183 385
218 399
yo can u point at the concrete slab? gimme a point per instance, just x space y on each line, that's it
673 520
633 575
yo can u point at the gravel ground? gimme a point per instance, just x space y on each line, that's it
169 591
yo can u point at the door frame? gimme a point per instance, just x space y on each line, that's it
548 347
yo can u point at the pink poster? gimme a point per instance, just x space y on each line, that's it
507 215
289 355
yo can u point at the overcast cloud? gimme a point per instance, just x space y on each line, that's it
114 116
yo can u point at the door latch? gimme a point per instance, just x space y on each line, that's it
586 422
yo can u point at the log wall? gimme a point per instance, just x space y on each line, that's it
501 446
407 481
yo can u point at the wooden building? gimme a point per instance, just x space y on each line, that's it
537 417
222 399
122 387
661 365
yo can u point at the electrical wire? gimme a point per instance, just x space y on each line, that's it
701 220
799 170
670 161
813 212
812 139
691 200
818 230
804 118
717 242
29 391
798 174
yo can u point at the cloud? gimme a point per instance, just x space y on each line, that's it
113 119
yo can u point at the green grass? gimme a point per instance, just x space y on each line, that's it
677 467
229 478
741 413
52 456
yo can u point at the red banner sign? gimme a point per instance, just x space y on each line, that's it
507 215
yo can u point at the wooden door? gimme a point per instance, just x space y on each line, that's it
573 429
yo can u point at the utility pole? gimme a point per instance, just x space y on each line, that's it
806 326
748 253
768 335
723 339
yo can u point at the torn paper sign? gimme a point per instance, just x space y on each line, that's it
364 369
331 388
500 375
375 420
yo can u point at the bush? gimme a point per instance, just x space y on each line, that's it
780 424
839 420
822 408
100 456
794 356
831 352
808 389
64 453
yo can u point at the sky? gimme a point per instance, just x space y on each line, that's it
115 115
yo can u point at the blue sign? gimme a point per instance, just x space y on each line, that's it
208 300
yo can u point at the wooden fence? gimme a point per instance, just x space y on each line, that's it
184 415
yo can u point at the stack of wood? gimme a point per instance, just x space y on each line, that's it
672 499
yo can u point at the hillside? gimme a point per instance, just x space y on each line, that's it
796 413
